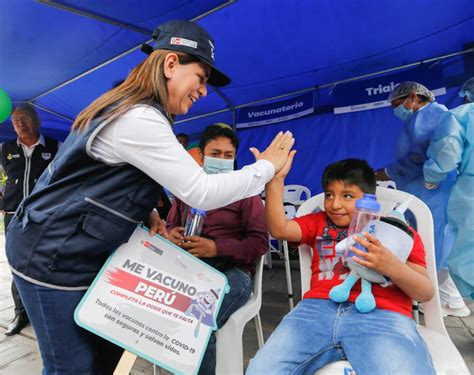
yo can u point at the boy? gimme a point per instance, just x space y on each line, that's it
319 331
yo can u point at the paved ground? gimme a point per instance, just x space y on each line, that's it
19 354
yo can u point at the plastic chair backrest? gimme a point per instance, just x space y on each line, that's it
290 210
229 348
387 184
294 194
389 198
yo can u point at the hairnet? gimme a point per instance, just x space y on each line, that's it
468 89
406 88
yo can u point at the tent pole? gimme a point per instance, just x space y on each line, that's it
205 14
65 83
51 111
117 23
234 119
314 88
124 25
94 16
469 50
230 105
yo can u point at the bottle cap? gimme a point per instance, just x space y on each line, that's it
198 211
369 202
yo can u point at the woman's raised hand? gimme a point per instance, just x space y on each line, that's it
278 151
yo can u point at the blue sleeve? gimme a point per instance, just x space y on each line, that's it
403 167
445 150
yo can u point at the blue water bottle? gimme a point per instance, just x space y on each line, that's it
366 216
194 222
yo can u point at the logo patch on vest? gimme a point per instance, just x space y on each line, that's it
46 155
11 156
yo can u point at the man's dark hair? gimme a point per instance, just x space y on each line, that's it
183 135
218 130
352 172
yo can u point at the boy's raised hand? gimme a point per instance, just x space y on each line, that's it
287 166
377 257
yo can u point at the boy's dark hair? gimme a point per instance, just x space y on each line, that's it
352 172
218 130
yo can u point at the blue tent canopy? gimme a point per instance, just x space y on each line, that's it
61 55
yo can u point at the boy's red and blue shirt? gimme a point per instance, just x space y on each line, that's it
328 269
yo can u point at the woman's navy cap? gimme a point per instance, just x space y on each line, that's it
188 37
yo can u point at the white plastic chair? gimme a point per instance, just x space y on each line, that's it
294 194
229 347
387 184
283 252
446 357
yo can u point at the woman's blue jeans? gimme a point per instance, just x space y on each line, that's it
66 349
318 332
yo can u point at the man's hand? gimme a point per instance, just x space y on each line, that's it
176 236
200 247
156 225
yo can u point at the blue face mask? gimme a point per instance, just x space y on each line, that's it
217 165
403 113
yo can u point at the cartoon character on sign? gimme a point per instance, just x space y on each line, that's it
202 308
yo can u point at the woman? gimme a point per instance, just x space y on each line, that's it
106 179
415 105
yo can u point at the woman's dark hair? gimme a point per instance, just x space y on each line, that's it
218 130
352 172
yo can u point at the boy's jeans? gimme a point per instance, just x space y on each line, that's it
318 332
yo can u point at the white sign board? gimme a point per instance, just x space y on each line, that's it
155 300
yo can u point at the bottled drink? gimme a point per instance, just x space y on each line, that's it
366 216
194 222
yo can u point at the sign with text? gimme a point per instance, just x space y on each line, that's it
275 112
155 300
373 93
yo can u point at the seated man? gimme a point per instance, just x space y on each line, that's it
233 237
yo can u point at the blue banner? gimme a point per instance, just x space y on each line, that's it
373 93
275 112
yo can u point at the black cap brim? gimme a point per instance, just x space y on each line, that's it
217 78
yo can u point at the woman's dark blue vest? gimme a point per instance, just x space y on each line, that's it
79 212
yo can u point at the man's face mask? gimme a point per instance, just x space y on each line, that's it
403 113
217 165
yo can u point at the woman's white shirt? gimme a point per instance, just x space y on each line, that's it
143 138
